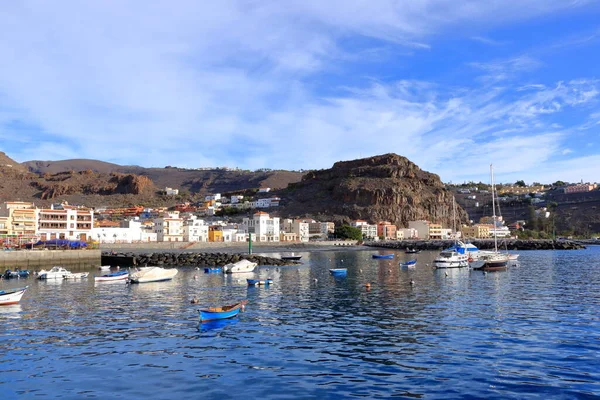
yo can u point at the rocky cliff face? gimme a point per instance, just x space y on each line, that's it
382 188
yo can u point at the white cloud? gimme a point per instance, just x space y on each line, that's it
236 83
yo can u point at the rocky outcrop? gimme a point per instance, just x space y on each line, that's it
132 184
382 188
188 259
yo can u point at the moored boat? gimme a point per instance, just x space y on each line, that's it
209 270
152 274
224 312
412 251
338 271
104 268
291 258
18 273
259 282
55 272
115 276
76 275
240 266
451 259
410 263
11 296
385 256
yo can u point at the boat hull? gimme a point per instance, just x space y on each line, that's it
212 270
259 282
8 297
76 275
451 264
240 266
152 274
338 271
291 258
218 313
119 276
386 256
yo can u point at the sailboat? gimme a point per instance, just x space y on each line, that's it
452 257
492 261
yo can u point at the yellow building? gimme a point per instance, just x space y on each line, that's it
478 231
215 234
435 231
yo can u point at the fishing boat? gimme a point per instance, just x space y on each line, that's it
384 256
152 274
240 266
209 270
412 251
76 275
492 261
451 259
291 258
215 313
115 276
410 263
338 271
54 273
11 296
8 274
259 282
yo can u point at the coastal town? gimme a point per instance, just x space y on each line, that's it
23 223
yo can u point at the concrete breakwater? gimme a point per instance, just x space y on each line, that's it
47 258
510 244
188 259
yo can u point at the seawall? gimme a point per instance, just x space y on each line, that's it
45 258
511 244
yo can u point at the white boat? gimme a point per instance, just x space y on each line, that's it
240 266
11 296
152 274
115 276
451 259
492 261
104 268
76 275
54 273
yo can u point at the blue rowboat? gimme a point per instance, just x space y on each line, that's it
212 269
215 313
16 273
115 276
386 256
338 271
409 263
259 282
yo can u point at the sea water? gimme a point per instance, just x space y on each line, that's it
528 332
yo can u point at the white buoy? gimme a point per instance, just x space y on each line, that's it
316 279
195 277
446 273
412 283
360 270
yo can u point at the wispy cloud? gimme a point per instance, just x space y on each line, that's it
488 41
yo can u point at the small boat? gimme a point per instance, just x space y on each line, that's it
8 274
215 313
412 251
115 276
338 271
240 266
104 268
291 258
209 270
259 282
11 296
76 275
152 274
451 259
386 256
491 262
54 273
410 263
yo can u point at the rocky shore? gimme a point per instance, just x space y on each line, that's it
187 259
510 244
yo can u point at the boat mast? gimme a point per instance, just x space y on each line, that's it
493 208
454 217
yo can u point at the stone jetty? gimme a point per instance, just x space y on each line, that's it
510 244
188 259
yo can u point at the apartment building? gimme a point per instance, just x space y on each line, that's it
194 230
65 222
368 231
297 227
169 227
386 230
262 227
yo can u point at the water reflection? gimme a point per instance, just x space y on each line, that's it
12 311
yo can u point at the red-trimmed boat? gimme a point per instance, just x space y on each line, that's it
11 296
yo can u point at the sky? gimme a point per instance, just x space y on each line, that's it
302 84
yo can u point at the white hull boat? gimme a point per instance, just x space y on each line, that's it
451 259
240 266
54 273
115 276
104 268
76 275
11 296
152 274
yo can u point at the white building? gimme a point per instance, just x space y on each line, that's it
298 227
407 233
368 231
422 228
264 190
266 203
215 197
171 192
262 227
194 230
129 232
67 223
169 227
235 199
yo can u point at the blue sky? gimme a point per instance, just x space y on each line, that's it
301 84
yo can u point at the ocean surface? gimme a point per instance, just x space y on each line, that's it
532 331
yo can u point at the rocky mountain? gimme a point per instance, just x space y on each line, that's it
382 188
